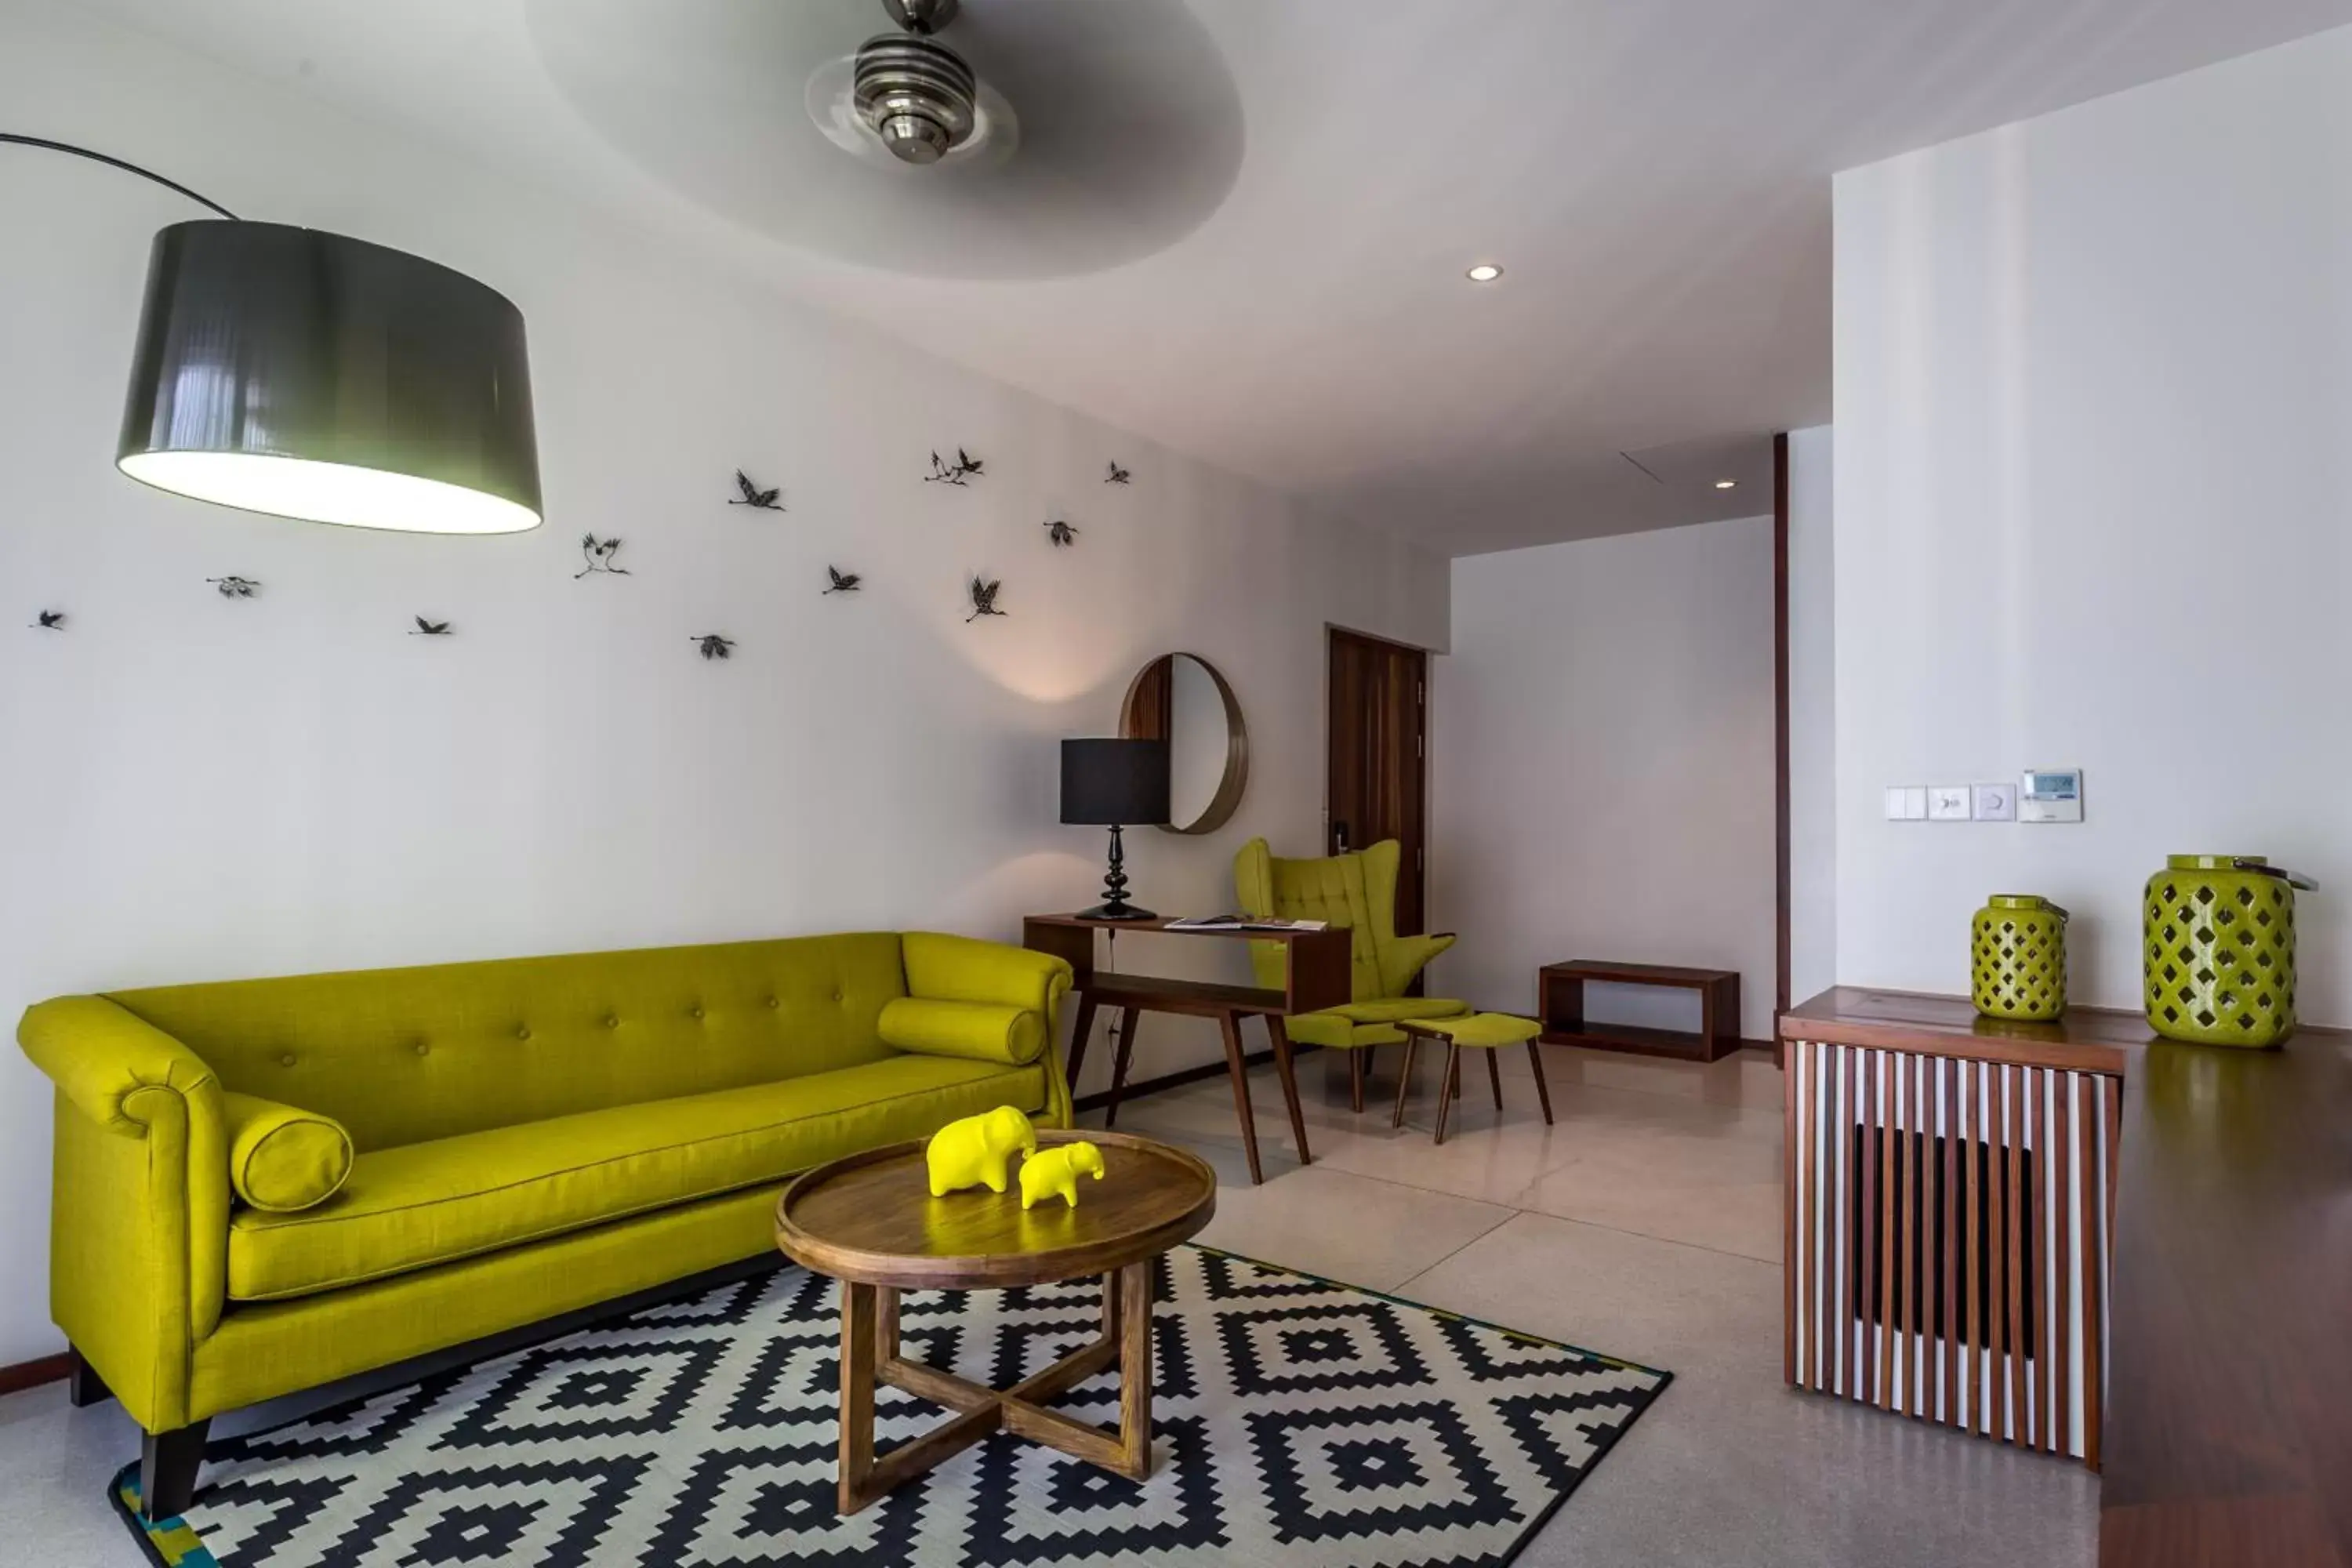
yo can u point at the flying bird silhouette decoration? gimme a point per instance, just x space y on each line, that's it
965 469
598 553
1118 476
50 621
752 495
235 587
842 581
1061 533
713 645
983 600
426 628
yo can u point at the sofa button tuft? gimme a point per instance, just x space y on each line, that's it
612 1021
698 1011
287 1060
522 1034
773 1002
836 992
422 1049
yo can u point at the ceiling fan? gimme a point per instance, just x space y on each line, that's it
914 92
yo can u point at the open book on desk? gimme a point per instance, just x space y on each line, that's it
1242 922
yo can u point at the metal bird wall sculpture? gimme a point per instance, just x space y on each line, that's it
50 621
426 628
713 645
983 600
965 469
1061 533
1118 476
235 587
598 553
842 581
750 494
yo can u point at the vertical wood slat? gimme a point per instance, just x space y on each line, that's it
1906 1111
1847 1382
2013 1116
1884 1107
2094 1361
2070 1257
1825 1297
1791 1089
1808 1065
2046 1234
1948 1350
1979 1332
1867 1230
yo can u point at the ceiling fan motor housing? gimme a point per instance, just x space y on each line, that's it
917 94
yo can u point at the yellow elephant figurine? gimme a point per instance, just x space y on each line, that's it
974 1152
1055 1172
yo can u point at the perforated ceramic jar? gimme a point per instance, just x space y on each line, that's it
2017 957
2219 949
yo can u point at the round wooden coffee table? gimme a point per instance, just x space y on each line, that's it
870 1222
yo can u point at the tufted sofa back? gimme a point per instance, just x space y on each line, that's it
402 1056
1355 892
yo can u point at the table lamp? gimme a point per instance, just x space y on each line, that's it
1115 784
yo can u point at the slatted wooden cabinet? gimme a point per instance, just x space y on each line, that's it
1950 1203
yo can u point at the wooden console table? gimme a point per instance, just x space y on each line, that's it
1560 1002
1316 976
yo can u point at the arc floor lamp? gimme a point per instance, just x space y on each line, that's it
309 375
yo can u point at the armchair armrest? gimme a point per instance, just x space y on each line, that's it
138 1200
1410 955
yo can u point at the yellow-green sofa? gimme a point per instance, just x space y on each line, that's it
496 1143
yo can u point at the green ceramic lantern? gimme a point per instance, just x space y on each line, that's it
2017 958
2219 949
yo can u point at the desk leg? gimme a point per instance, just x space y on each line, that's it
1281 1067
1124 1042
1230 1024
1080 1033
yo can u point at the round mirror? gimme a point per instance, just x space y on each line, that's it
1182 698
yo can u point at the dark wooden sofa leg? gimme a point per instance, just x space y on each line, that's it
84 1387
168 1462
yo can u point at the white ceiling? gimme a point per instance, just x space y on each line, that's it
1653 173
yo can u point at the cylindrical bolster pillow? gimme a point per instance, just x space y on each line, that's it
281 1159
982 1031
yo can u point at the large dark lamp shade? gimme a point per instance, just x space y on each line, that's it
1115 783
305 375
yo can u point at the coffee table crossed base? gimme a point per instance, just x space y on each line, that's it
870 1222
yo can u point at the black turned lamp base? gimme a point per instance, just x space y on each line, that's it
1115 906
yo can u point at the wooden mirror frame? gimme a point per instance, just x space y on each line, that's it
1133 722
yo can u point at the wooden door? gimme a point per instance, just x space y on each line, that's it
1376 788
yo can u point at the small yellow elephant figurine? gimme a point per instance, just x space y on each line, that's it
1055 1172
974 1152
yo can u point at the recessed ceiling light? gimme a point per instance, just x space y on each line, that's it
1725 484
1484 272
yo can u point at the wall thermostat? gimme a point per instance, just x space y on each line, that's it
2050 794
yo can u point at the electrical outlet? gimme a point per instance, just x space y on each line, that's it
1948 803
1995 803
1907 803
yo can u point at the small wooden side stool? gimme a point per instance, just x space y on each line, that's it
1488 1031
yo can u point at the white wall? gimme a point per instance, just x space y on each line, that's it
1813 715
198 789
1603 782
2094 385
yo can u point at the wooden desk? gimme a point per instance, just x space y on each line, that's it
1315 976
2211 1225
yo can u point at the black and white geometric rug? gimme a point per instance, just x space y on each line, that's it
1296 1422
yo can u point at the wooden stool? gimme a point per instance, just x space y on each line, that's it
1490 1031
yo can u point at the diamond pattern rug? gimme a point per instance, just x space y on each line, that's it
1296 1422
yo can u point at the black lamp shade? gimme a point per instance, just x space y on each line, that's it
301 373
1115 782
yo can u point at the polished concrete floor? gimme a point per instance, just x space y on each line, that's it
1645 1224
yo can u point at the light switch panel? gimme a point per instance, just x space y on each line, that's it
1948 803
1907 803
1995 803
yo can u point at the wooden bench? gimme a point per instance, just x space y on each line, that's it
1559 989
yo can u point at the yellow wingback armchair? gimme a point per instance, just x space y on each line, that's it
265 1185
1356 891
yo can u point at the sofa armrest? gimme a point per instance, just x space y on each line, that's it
943 968
139 1201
